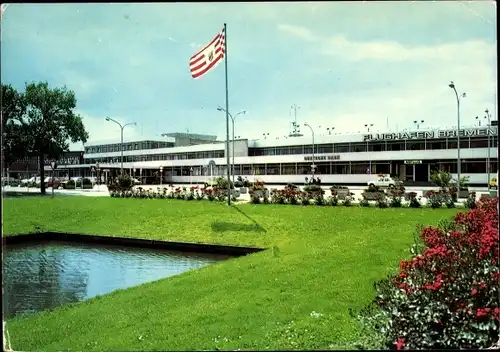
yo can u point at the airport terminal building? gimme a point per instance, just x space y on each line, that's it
338 159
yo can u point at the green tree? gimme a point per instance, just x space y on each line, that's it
14 129
51 122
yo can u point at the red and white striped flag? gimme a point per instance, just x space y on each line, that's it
208 57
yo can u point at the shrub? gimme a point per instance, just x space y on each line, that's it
319 199
363 202
397 196
414 203
446 296
453 193
381 201
333 200
470 203
305 198
258 186
313 188
254 198
221 182
463 183
442 179
396 202
124 182
372 189
266 200
277 196
434 199
347 202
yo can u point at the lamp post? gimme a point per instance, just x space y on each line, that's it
368 126
232 120
98 174
121 139
191 175
417 123
479 120
161 175
458 96
488 167
330 130
53 164
313 167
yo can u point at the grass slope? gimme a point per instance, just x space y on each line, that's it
326 261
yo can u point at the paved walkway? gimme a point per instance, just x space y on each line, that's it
98 191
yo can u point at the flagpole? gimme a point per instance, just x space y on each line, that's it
227 121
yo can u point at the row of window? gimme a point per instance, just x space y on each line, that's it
377 146
374 146
329 168
213 154
108 148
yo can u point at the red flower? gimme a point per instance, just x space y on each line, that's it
481 313
474 292
400 344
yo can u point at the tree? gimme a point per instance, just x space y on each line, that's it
51 123
14 133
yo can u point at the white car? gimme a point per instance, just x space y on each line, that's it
383 181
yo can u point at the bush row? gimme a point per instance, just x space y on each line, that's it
184 193
446 295
312 195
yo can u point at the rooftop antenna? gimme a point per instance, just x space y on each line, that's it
295 126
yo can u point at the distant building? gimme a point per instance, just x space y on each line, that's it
338 159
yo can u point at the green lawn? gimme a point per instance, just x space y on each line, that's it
326 261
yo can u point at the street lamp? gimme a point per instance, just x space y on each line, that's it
98 174
191 175
53 164
161 175
488 167
479 121
459 166
418 123
232 119
313 167
368 126
121 134
330 130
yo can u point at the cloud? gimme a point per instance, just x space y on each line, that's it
395 81
344 64
297 31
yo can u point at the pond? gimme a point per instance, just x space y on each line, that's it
38 276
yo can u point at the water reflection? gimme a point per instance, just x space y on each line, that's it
43 276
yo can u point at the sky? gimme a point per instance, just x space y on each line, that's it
344 64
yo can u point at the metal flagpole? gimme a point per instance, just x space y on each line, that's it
227 122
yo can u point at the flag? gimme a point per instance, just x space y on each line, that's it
208 57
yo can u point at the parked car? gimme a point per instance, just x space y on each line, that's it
382 181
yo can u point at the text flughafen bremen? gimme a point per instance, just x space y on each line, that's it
471 132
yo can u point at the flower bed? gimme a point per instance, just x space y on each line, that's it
446 296
183 193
